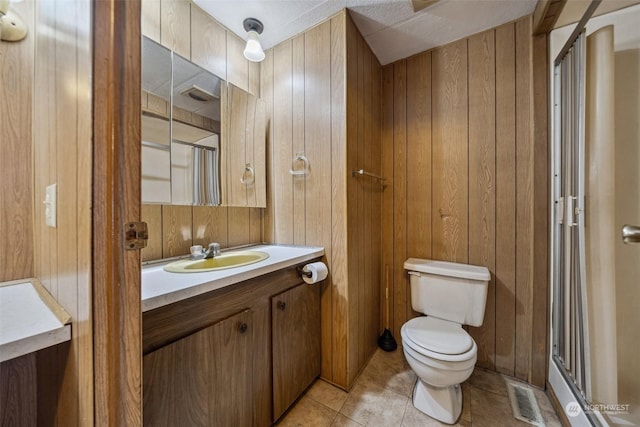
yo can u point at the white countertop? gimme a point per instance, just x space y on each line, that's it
27 320
161 288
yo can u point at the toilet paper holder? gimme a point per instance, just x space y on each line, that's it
302 272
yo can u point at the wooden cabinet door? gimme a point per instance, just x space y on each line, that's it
231 397
176 382
296 343
204 379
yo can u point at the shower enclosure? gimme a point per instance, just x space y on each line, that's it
595 325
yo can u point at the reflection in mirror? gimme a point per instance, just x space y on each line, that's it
180 129
156 132
195 147
245 149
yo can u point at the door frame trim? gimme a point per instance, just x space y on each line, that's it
116 200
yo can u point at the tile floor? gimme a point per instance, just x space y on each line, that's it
381 396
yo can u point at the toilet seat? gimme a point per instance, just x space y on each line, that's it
438 339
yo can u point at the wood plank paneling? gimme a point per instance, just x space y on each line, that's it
541 248
505 273
318 137
255 225
176 230
208 43
419 155
62 144
482 179
333 304
151 19
16 170
376 201
369 296
450 153
239 229
354 250
488 106
152 215
282 133
297 140
209 225
387 236
237 64
524 199
254 78
418 162
399 195
174 14
266 93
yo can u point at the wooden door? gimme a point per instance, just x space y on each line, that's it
296 343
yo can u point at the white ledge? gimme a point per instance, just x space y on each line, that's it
30 319
160 288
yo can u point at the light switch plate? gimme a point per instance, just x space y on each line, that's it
50 205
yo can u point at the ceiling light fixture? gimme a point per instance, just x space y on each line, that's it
253 51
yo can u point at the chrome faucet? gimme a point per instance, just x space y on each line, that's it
212 251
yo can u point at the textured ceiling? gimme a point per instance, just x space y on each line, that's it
391 27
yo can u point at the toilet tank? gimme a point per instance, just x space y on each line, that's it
448 290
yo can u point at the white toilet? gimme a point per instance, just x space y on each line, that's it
438 349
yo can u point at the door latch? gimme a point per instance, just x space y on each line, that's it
135 235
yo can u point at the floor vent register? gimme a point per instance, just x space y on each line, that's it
524 405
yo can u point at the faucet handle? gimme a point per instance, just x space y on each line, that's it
196 250
214 248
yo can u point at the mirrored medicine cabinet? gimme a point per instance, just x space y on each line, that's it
203 139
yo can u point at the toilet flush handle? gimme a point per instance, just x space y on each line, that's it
414 273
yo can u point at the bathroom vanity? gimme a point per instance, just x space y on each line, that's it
230 347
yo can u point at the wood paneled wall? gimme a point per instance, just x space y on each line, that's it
16 170
182 26
62 127
458 141
364 198
322 93
18 377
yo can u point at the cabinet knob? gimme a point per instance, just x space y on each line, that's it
243 328
282 305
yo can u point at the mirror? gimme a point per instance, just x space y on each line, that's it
186 110
181 122
195 143
156 128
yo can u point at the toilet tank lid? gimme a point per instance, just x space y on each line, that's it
450 269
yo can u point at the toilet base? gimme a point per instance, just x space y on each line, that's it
442 403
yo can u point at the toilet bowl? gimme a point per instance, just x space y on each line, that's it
437 348
440 368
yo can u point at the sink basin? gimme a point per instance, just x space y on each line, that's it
221 262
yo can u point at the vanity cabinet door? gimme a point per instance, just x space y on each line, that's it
296 343
204 379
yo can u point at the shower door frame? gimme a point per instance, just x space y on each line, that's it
570 210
